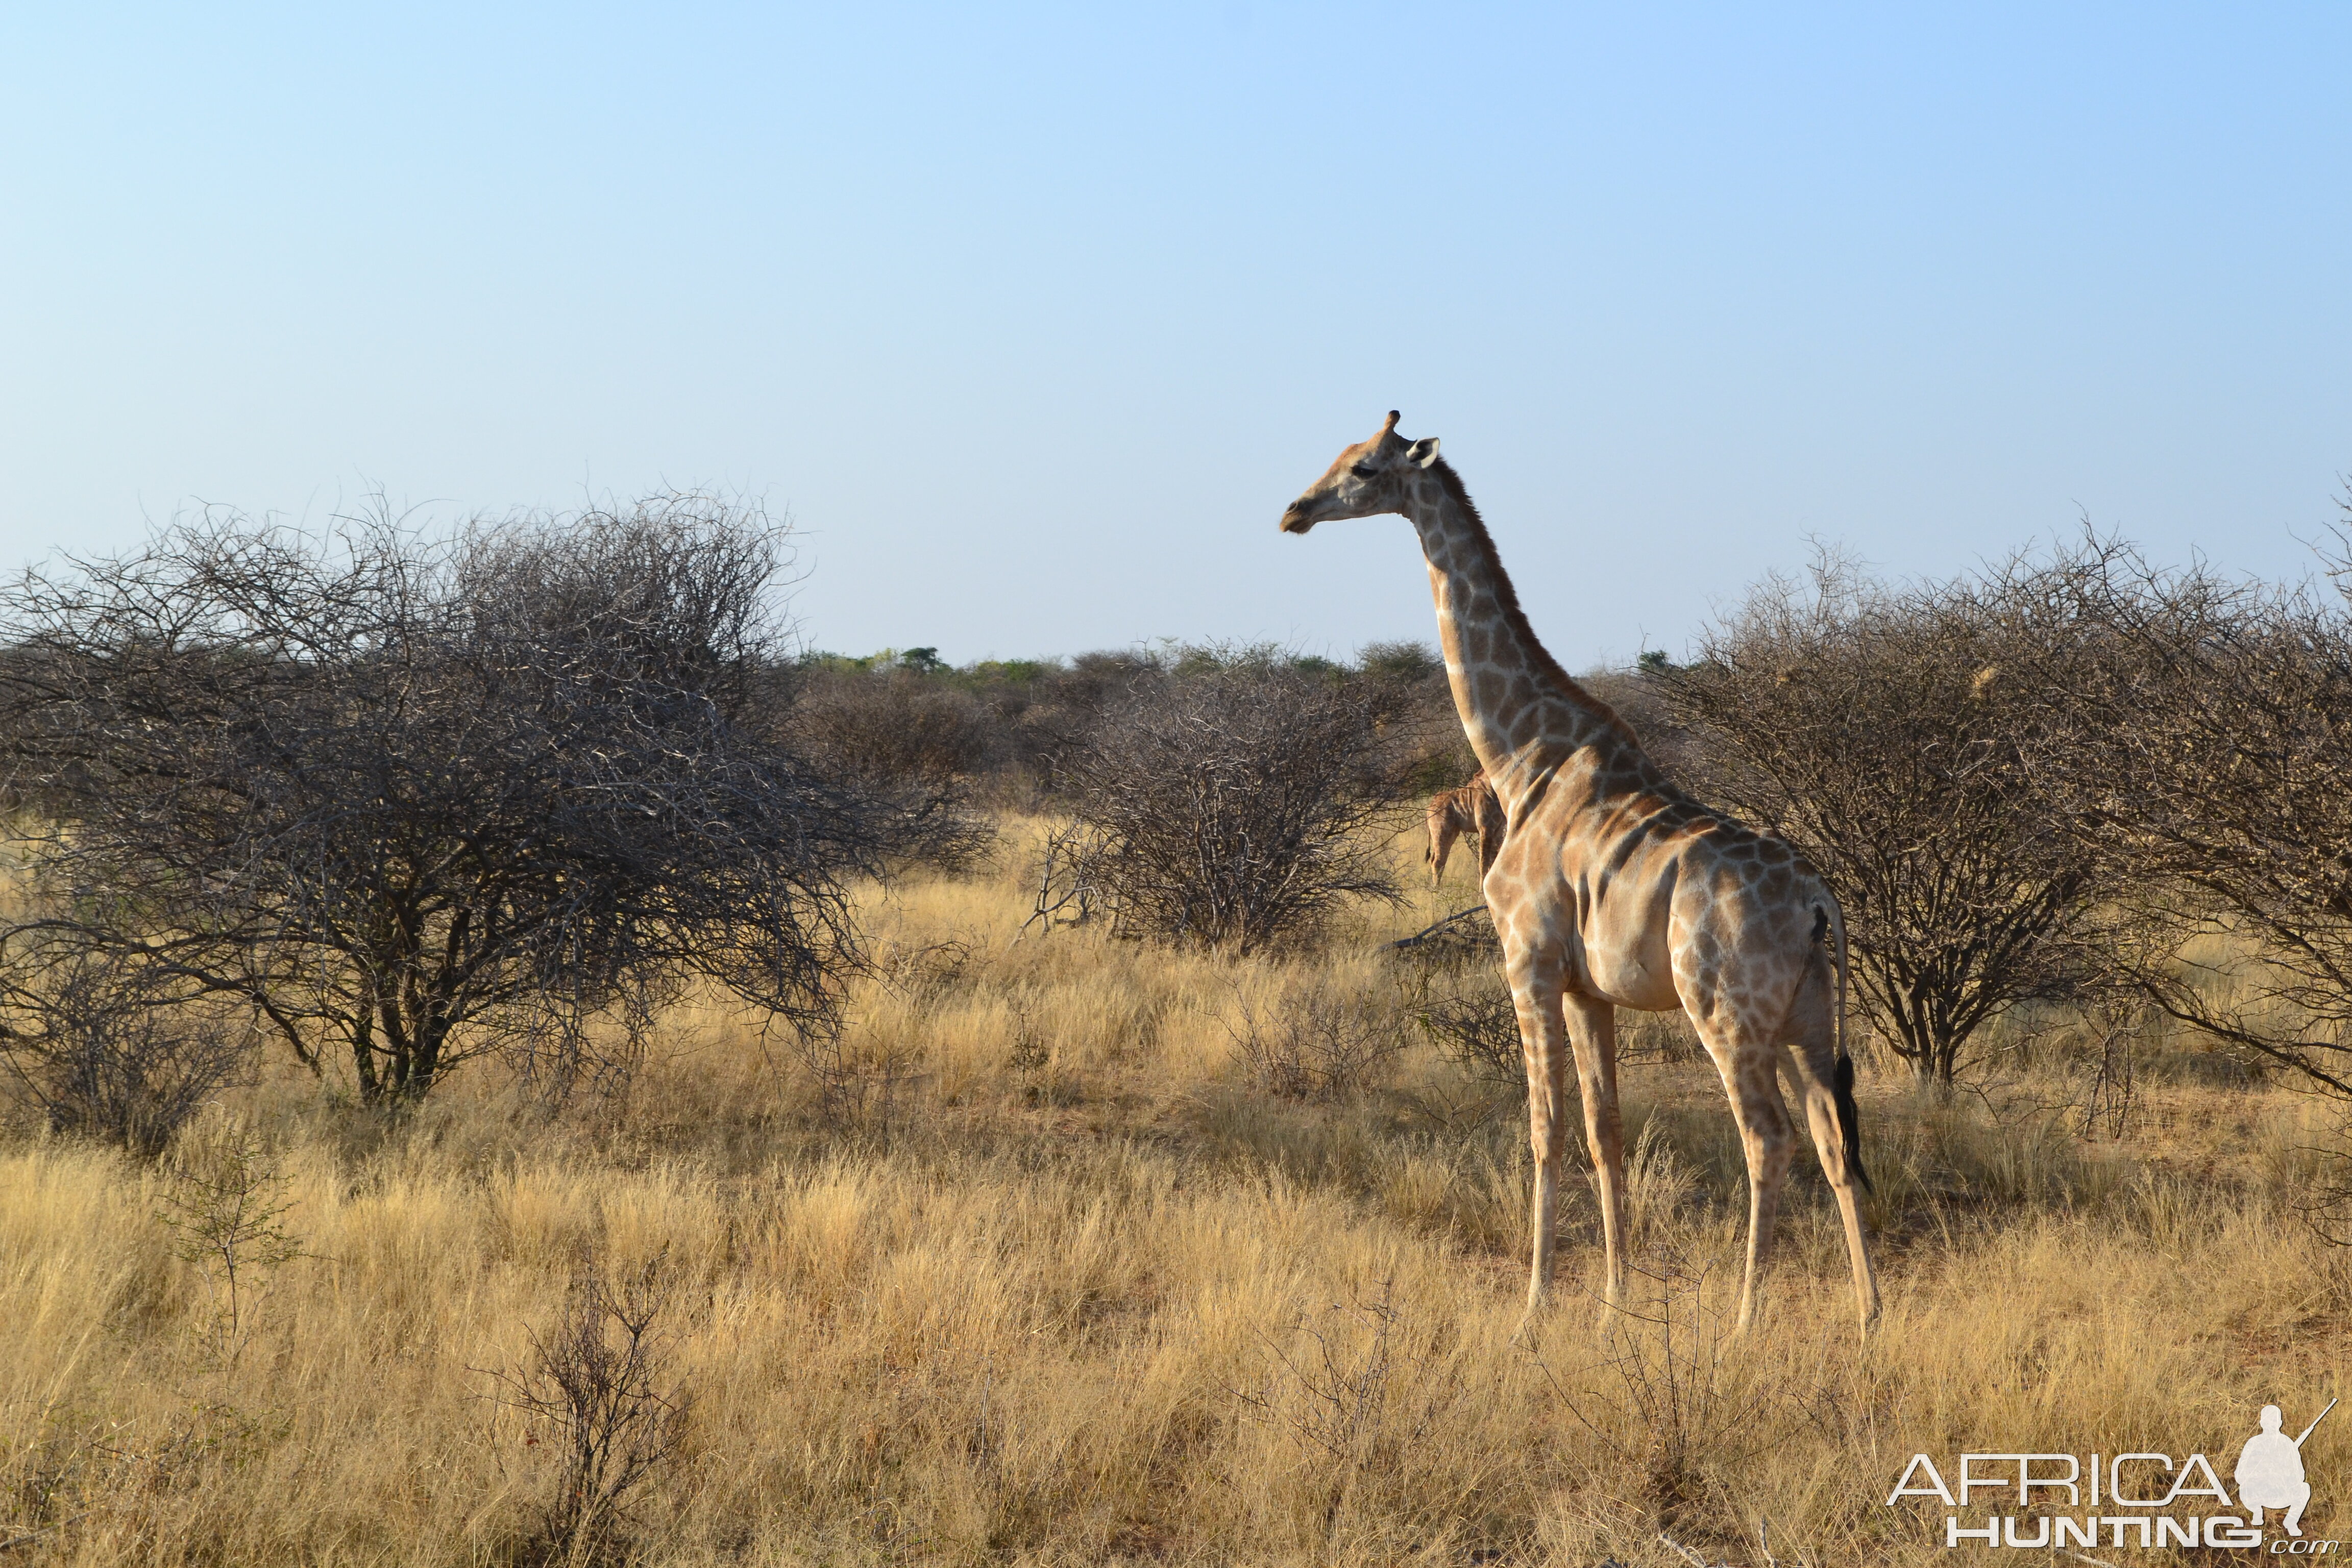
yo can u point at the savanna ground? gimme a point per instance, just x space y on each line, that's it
1044 1275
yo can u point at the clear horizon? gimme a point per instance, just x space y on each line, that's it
1032 321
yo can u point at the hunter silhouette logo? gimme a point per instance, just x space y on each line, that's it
2141 1499
2270 1471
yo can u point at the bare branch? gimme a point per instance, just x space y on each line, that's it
428 800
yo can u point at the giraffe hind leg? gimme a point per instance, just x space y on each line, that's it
1749 1066
1824 1082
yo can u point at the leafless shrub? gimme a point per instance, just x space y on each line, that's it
1664 1394
1359 1390
1450 984
1887 734
896 724
2205 734
225 1205
1067 894
556 1051
1419 722
1340 1381
1472 1021
862 1081
595 1388
2108 1072
1640 698
2315 1179
423 802
1658 1037
860 1089
1044 1078
1229 800
913 744
1322 1045
110 1051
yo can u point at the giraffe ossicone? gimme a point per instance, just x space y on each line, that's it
1614 889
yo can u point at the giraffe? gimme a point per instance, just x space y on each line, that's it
1613 889
1471 808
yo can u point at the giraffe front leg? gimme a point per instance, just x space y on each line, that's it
1592 1030
1536 997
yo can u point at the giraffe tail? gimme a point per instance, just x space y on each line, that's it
1829 920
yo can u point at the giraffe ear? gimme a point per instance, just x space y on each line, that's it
1422 453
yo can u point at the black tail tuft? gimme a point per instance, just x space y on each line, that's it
1849 1120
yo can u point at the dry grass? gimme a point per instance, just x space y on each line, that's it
1044 1278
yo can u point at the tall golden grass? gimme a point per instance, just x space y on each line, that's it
1045 1278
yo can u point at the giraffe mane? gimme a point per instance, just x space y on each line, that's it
1507 593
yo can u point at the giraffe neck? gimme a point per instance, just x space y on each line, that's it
1522 713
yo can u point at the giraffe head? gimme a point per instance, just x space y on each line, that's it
1366 480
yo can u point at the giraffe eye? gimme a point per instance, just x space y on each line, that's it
1364 471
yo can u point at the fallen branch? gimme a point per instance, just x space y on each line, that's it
1428 933
1686 1552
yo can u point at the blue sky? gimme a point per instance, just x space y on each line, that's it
1034 317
